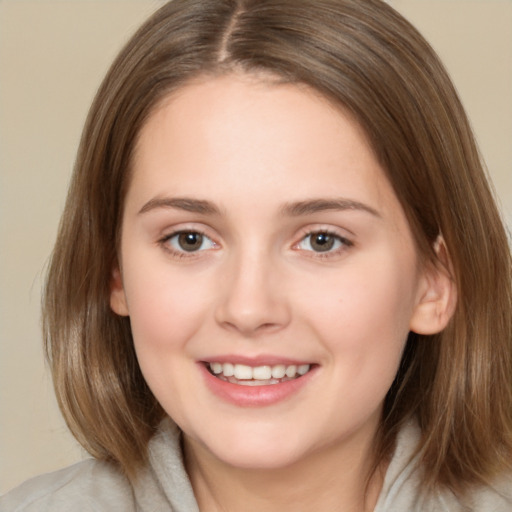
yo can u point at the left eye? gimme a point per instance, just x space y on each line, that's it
322 241
190 241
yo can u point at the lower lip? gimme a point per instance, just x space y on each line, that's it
254 396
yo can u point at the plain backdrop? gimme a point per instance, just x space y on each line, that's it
53 55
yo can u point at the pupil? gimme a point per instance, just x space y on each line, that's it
190 241
322 242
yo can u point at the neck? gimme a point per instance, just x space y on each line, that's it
336 478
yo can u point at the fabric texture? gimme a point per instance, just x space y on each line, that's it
164 486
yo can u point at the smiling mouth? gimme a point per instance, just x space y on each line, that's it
265 375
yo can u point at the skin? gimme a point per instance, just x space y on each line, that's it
257 287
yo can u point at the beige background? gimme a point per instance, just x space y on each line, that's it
52 57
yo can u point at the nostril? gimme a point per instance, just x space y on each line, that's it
251 326
268 326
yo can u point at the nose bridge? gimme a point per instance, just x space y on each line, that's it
252 298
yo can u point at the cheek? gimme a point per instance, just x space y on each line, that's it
165 307
366 301
165 314
362 316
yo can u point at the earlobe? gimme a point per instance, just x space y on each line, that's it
117 296
437 294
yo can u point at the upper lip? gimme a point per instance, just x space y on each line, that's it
260 360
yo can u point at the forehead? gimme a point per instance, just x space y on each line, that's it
241 106
216 135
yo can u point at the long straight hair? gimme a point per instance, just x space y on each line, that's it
365 57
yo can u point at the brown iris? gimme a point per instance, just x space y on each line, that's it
322 242
190 241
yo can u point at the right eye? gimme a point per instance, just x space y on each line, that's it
324 242
188 242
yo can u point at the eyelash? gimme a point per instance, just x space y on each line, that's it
183 253
344 243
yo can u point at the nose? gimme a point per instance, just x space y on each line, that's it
253 296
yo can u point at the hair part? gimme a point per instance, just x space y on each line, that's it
367 59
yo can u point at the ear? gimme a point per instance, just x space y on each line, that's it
437 294
118 302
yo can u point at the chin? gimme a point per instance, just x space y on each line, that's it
257 460
250 449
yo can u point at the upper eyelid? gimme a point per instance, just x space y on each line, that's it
345 240
174 232
327 232
177 232
337 231
186 227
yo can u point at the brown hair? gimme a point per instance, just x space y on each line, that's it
367 58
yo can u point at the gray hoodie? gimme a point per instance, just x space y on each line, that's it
94 486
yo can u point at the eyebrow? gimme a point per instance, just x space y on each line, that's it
295 209
320 205
181 203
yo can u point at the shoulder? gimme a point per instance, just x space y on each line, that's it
402 486
493 498
496 497
90 485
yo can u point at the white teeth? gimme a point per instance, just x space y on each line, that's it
262 373
278 371
243 372
228 370
291 371
216 368
303 369
257 382
265 373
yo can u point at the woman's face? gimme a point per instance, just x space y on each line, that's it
268 271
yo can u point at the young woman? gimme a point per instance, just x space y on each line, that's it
280 281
